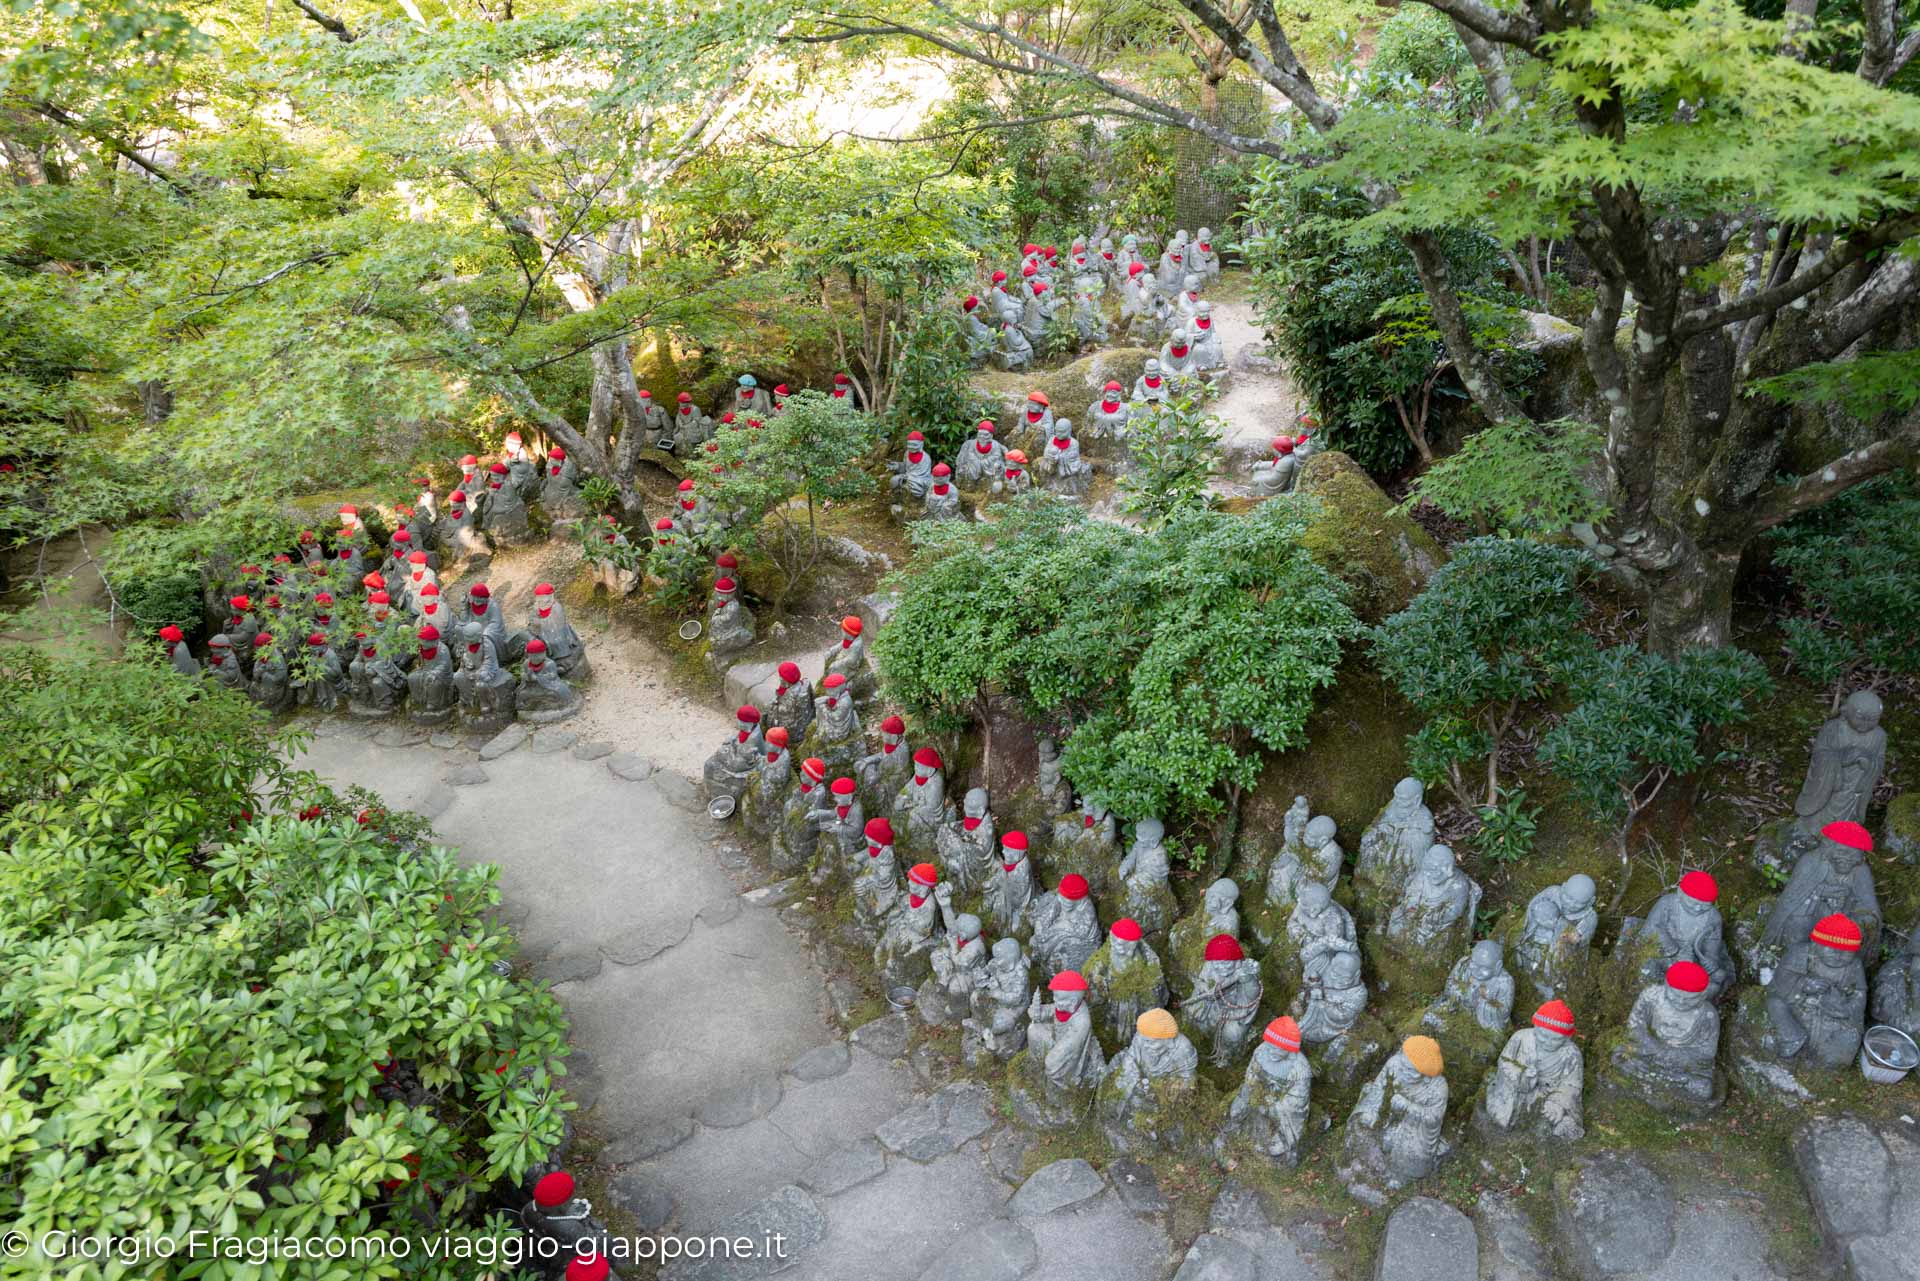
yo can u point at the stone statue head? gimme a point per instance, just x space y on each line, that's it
1862 711
1179 337
1203 235
1221 896
966 931
1485 960
1314 898
1681 999
1408 794
1153 367
1063 428
1190 282
1048 749
975 803
1070 1000
1578 892
1007 956
1437 864
1148 833
1343 969
1319 833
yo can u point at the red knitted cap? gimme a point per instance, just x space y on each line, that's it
1555 1016
1701 886
1224 947
1837 932
1127 928
1849 834
1688 976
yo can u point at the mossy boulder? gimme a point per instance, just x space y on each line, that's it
1358 534
1900 832
1162 1116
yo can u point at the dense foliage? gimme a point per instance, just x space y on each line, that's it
1171 659
222 1016
1174 454
1519 477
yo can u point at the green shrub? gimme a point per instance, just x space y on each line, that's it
1519 478
1856 562
223 1019
1174 454
931 394
159 599
1488 639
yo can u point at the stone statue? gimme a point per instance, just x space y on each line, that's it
179 657
1016 480
690 509
1042 306
460 528
966 842
1537 1085
921 803
997 1025
222 665
688 428
1400 834
1207 352
835 735
1479 987
1436 911
1173 269
876 882
843 825
1831 877
1151 386
1089 324
1556 932
543 697
974 332
1276 475
549 624
1069 473
1124 979
1672 1039
375 683
1896 989
943 500
1006 308
1036 415
915 927
525 476
1308 852
615 570
735 762
1015 351
792 707
1848 755
1176 358
1107 416
1270 1111
241 627
505 518
981 460
1684 925
1051 788
848 658
430 690
1065 930
1144 873
1088 843
560 486
1064 1059
269 685
958 963
765 799
1139 308
1148 1091
483 609
484 689
729 623
1816 1001
1393 1132
913 474
322 680
1331 1003
1319 930
882 774
1225 998
1202 257
1218 913
1009 887
791 845
751 399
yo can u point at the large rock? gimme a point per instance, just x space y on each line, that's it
1217 1258
998 1250
1509 1245
1358 535
1848 1174
845 1168
1428 1240
1056 1186
955 1114
1615 1217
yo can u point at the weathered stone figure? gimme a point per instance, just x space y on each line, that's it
876 882
1832 877
560 486
1330 1004
1177 360
735 762
1015 351
771 785
974 331
222 665
1319 930
1673 1037
1817 999
1124 979
1107 416
484 609
966 842
1051 788
1393 1132
792 706
1270 1111
1537 1085
430 691
1218 913
997 1026
958 963
913 474
1684 925
485 689
921 803
1436 911
1067 472
729 623
375 683
1144 872
1207 352
1556 933
269 685
1896 989
981 460
549 624
179 657
835 734
1225 998
505 519
1009 887
1848 755
1151 386
843 826
1146 1095
848 658
943 500
1276 474
792 843
543 696
1062 1052
1393 844
1479 988
1065 930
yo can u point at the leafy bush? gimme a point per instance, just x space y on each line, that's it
1519 478
1856 562
1641 719
1174 455
932 394
1320 291
218 1019
1507 828
1175 657
1491 635
160 599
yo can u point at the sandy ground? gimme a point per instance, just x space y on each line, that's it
1256 406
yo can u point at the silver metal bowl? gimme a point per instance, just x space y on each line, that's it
690 630
721 806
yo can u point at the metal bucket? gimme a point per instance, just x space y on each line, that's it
1887 1054
900 998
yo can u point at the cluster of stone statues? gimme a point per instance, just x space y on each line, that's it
332 632
1156 298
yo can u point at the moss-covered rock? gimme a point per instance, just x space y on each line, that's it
1900 833
1358 535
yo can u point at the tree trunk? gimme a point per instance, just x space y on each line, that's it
1691 603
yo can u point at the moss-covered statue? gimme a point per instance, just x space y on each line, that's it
1218 913
1270 1111
876 885
1435 911
1086 841
966 842
1009 888
1393 1133
770 787
1896 989
1816 1001
430 694
1124 979
835 735
996 1028
1051 1083
1556 933
915 929
1471 1015
883 773
734 763
1146 1097
957 966
1831 877
1393 844
1143 872
1684 925
921 803
1065 929
1668 1053
1537 1086
792 707
1225 999
791 843
842 827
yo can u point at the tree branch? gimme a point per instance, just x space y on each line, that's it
62 117
1858 246
1517 27
1804 493
326 20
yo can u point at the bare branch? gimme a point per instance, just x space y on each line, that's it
1517 27
1859 245
326 20
1492 63
1804 493
61 116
